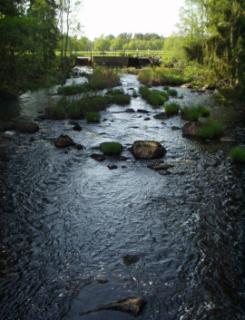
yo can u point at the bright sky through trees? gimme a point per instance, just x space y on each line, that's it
135 16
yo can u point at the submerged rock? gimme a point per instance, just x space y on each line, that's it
132 305
161 116
129 259
26 127
147 119
112 166
159 166
147 149
98 157
130 110
64 141
143 111
77 127
190 129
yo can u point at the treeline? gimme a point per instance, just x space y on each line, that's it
124 41
213 34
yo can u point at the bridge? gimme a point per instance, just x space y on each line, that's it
121 58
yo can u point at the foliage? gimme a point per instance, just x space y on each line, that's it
211 130
103 78
153 97
237 154
172 92
111 148
171 109
193 113
92 117
162 76
73 89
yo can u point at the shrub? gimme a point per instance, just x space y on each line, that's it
111 148
92 117
211 130
237 154
73 89
194 113
171 109
103 78
153 97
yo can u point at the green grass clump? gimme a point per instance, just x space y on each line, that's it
171 109
103 78
237 154
118 96
172 92
162 76
92 117
73 89
111 148
153 97
211 130
195 112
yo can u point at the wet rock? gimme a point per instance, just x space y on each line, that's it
175 128
6 126
130 259
161 116
143 111
132 305
190 129
64 141
147 119
102 280
98 157
78 146
147 149
26 127
77 127
130 110
112 167
158 166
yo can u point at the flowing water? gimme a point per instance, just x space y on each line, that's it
66 220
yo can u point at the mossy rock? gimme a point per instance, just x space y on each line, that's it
111 148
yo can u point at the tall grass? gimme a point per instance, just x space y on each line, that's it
153 97
171 109
193 113
103 78
211 130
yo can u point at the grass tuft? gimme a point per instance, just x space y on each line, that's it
237 154
194 113
103 78
111 148
211 130
172 109
92 117
153 97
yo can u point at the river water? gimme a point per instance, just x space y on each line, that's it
66 221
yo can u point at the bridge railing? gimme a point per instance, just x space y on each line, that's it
125 53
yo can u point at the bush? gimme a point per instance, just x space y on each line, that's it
171 109
92 117
194 113
103 78
153 97
237 154
73 89
111 148
211 130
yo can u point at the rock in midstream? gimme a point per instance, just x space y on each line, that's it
132 305
147 149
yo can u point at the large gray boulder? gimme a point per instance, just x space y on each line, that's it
147 149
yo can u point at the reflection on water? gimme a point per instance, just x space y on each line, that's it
67 220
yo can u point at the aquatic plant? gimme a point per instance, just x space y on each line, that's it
103 78
193 113
211 130
92 117
111 148
171 109
172 92
153 97
237 154
73 89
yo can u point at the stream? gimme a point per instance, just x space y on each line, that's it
66 220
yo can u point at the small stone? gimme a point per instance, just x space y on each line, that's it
78 146
77 127
147 119
175 128
130 259
130 110
143 111
112 166
161 116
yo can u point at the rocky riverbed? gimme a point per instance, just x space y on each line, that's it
85 236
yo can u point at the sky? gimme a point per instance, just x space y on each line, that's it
99 17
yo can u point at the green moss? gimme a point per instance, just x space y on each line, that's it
111 148
92 117
153 97
172 109
211 130
237 154
194 113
